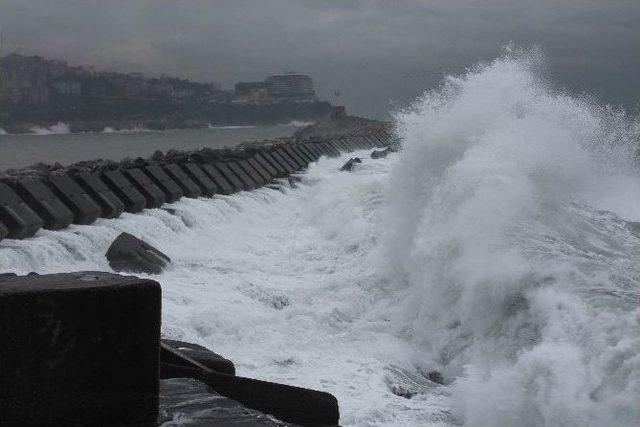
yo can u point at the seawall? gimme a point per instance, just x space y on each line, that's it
53 196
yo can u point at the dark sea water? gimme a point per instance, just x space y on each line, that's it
56 145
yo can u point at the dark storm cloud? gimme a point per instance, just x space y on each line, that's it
376 53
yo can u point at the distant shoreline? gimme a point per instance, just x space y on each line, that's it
131 126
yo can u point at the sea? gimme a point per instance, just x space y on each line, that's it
55 144
485 275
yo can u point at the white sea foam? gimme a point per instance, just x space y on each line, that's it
210 126
495 248
297 124
3 132
58 128
136 129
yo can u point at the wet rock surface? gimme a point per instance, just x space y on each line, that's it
127 253
348 167
185 401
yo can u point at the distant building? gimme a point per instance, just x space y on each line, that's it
252 92
67 87
295 87
24 80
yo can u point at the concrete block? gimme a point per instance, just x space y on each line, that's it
201 354
337 148
223 185
345 146
331 150
85 209
231 176
315 150
378 141
153 195
262 171
255 176
209 188
268 167
79 349
42 200
172 191
357 141
247 182
310 153
302 154
347 143
133 200
297 160
4 231
193 400
110 205
282 169
284 160
366 142
16 215
190 188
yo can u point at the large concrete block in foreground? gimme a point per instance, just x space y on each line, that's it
79 349
85 209
55 214
17 216
110 205
4 231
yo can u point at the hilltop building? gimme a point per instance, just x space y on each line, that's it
277 88
297 87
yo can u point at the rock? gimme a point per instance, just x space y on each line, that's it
128 253
350 164
435 376
378 154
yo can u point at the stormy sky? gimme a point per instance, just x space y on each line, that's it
377 54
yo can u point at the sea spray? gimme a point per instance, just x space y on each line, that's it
507 237
58 128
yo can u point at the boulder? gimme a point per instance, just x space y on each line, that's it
378 154
128 253
350 164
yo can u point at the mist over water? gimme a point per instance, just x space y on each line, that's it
498 248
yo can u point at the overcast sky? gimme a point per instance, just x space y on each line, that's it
377 54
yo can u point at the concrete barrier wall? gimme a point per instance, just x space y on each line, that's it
79 349
56 200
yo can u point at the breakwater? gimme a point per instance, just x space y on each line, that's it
53 197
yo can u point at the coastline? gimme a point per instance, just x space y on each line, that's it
161 117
